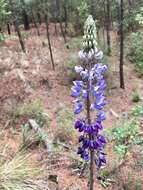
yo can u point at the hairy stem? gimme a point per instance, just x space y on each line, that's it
91 179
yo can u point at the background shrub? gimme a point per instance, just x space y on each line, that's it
135 53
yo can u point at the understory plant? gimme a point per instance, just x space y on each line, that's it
126 140
135 96
136 50
17 174
89 97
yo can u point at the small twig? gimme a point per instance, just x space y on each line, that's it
83 169
114 113
39 131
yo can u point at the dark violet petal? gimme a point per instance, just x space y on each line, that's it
102 158
85 156
78 123
101 83
78 83
98 163
77 108
74 93
101 116
98 126
91 144
80 150
85 143
96 145
81 138
87 129
100 100
102 139
81 128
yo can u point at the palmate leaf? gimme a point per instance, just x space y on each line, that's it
120 149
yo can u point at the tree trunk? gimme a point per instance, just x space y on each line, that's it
35 23
19 36
56 31
25 17
59 18
93 8
8 29
26 20
49 42
62 31
104 39
39 18
16 26
131 26
108 24
65 17
122 85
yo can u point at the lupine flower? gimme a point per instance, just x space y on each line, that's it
78 69
91 87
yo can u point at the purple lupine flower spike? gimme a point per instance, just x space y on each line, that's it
89 94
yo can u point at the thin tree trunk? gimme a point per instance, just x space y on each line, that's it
39 18
19 36
93 8
98 35
25 17
55 17
16 26
104 40
108 23
111 20
66 17
122 85
104 27
56 31
26 21
62 31
8 29
49 42
131 26
35 23
59 17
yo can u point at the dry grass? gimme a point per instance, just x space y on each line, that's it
17 172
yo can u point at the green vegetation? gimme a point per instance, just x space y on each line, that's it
2 38
127 141
124 135
136 50
32 110
74 43
135 96
137 111
65 131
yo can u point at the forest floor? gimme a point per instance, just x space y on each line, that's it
29 77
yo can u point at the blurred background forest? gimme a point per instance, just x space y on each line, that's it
39 44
